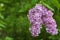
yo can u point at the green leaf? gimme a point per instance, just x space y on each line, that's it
1 16
0 28
8 38
0 39
55 3
25 7
2 22
49 7
51 37
34 1
1 25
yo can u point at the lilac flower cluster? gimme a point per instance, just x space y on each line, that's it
50 23
36 21
41 15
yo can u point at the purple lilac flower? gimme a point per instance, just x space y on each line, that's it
35 19
41 15
50 23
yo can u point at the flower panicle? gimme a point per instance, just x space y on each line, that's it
41 15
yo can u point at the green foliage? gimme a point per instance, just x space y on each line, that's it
1 16
47 6
14 24
8 38
56 3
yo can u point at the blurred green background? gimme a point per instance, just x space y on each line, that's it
14 24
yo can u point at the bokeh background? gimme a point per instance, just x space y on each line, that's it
14 23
